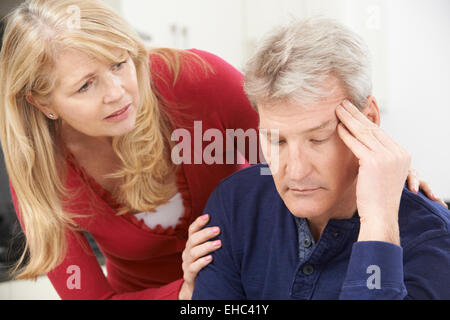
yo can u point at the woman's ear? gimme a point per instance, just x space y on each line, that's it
372 111
48 112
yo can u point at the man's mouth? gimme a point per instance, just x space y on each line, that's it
304 190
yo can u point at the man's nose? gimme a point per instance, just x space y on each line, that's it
299 165
114 90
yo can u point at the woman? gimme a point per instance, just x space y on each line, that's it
86 134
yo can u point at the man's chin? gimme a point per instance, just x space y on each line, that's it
307 213
306 207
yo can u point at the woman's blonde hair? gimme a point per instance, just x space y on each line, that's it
35 32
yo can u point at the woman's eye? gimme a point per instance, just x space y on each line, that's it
85 87
120 64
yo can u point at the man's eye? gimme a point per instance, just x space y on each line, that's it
279 142
318 141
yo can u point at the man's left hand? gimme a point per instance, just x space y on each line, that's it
383 169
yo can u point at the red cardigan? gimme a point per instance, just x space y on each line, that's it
144 263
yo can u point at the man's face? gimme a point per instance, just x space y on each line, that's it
316 173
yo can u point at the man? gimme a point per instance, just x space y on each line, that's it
334 220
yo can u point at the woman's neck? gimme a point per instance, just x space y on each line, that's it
74 140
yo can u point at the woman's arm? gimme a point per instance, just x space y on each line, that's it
80 277
225 89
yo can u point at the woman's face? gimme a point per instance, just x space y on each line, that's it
94 98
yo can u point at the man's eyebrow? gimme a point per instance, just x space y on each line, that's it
323 125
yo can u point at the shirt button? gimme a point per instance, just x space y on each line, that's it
308 269
306 242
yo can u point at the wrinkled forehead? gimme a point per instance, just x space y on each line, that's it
290 113
299 120
72 64
327 92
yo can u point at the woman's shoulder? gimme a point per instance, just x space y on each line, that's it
206 88
193 73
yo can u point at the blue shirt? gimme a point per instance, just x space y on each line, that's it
267 253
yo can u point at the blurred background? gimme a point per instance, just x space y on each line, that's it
410 45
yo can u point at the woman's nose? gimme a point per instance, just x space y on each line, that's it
114 90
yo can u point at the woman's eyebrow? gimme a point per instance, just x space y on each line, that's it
122 56
89 75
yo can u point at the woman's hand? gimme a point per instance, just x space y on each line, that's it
414 184
196 254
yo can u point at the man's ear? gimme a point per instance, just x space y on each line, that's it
47 111
371 110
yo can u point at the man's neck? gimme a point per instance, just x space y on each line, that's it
345 209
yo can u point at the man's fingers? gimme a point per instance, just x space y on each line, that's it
358 149
386 140
357 114
359 126
365 130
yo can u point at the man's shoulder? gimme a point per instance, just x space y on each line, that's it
256 177
421 219
250 189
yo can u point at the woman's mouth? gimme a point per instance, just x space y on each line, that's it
120 114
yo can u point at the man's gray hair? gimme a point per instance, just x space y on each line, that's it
293 61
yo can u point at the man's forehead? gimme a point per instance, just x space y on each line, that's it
301 128
332 92
305 118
